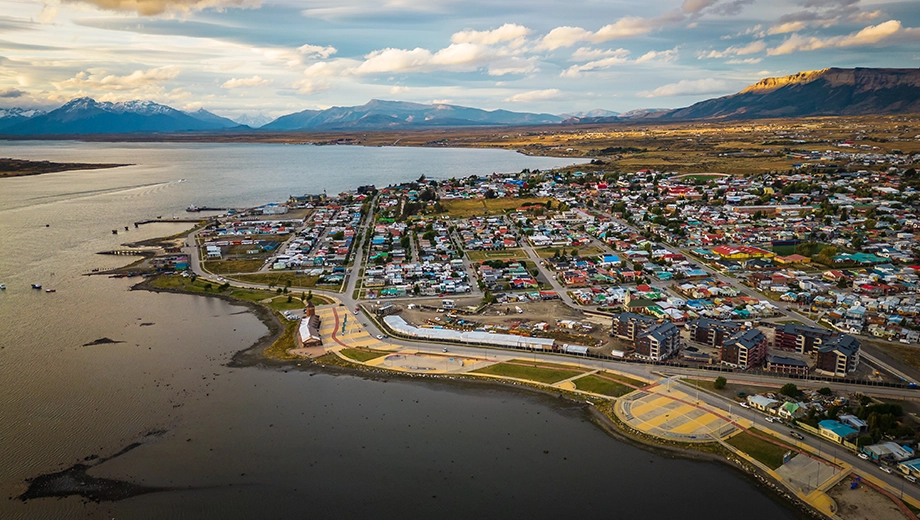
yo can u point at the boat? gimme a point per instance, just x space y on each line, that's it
36 286
114 231
193 209
50 290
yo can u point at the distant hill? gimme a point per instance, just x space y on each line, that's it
597 112
833 91
212 118
253 121
378 115
88 116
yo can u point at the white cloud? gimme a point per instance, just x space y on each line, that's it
746 61
737 50
398 89
505 33
668 55
95 79
254 81
564 37
535 95
625 27
787 27
575 70
868 36
686 87
587 53
296 57
308 86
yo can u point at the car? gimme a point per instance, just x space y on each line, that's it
796 435
379 336
443 350
886 469
356 312
745 405
771 419
863 456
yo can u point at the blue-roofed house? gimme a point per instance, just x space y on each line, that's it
835 430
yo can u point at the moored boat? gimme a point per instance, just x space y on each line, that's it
50 290
36 286
2 286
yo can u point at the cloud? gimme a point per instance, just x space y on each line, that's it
625 27
398 89
575 70
98 80
11 93
505 33
535 95
686 87
254 81
695 6
587 53
308 86
737 50
746 61
868 36
668 55
299 56
155 7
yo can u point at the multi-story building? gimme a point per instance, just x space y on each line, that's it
799 338
838 356
712 332
629 326
745 349
658 342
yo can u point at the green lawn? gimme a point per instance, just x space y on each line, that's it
281 304
460 208
530 373
767 453
627 380
362 355
599 385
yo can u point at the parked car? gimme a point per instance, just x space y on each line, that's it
745 405
863 456
379 336
796 435
886 469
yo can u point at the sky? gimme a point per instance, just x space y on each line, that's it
274 57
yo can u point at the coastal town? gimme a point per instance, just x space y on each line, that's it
688 308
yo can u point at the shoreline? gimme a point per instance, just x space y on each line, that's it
11 168
333 365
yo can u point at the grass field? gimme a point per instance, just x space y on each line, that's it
281 304
504 254
529 373
462 208
279 279
765 452
599 385
362 355
232 266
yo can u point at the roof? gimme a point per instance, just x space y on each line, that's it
843 343
837 428
788 361
748 339
706 324
661 331
761 401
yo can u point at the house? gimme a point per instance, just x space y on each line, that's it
745 349
854 422
835 430
888 451
308 331
764 404
790 410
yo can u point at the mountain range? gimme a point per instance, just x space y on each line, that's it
831 91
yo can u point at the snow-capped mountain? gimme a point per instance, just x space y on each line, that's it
88 116
16 115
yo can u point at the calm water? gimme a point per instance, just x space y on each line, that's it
257 443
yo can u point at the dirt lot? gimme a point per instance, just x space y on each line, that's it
534 312
863 502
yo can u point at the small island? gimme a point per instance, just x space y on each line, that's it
21 167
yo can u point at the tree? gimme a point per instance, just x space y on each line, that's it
719 383
825 391
278 290
790 390
290 298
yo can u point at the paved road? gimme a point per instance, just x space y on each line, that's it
826 448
